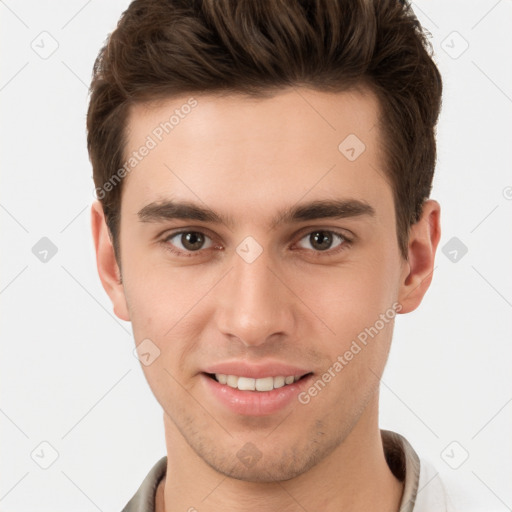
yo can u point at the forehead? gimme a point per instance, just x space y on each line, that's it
216 148
287 118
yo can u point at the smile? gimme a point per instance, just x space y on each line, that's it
250 384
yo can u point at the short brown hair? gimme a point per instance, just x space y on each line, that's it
165 48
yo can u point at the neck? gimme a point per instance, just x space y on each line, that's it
354 478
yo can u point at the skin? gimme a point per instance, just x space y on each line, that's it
247 159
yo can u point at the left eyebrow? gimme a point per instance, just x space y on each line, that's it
335 209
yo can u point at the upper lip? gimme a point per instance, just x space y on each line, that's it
256 370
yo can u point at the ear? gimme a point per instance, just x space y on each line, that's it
108 269
418 269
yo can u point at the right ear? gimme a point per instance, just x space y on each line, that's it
108 269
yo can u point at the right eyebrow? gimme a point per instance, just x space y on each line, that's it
168 210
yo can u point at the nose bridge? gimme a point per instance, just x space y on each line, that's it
253 304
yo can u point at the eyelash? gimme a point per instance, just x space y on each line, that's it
345 244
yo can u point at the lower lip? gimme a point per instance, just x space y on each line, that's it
255 403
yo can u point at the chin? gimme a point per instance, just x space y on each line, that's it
272 464
264 472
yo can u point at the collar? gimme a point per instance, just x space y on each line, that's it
400 456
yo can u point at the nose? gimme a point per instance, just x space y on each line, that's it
252 303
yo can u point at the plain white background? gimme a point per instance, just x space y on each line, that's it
68 374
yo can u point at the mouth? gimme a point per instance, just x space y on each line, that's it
263 384
256 390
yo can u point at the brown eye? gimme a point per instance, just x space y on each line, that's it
321 240
189 241
192 241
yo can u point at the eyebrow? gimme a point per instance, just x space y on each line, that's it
319 209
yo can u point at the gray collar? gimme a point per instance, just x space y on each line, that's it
400 456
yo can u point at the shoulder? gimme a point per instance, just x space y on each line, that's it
456 492
431 495
426 489
144 499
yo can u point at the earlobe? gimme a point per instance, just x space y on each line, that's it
108 269
423 240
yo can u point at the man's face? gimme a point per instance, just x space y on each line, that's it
270 290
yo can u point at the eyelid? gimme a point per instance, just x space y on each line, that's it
347 235
169 233
173 235
334 229
346 241
164 238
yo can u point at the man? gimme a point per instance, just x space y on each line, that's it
263 170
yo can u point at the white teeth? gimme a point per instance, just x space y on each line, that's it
232 381
279 382
266 384
248 384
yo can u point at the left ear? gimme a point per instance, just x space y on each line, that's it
423 240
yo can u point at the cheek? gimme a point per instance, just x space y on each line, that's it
158 292
358 304
161 298
163 305
167 306
350 297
